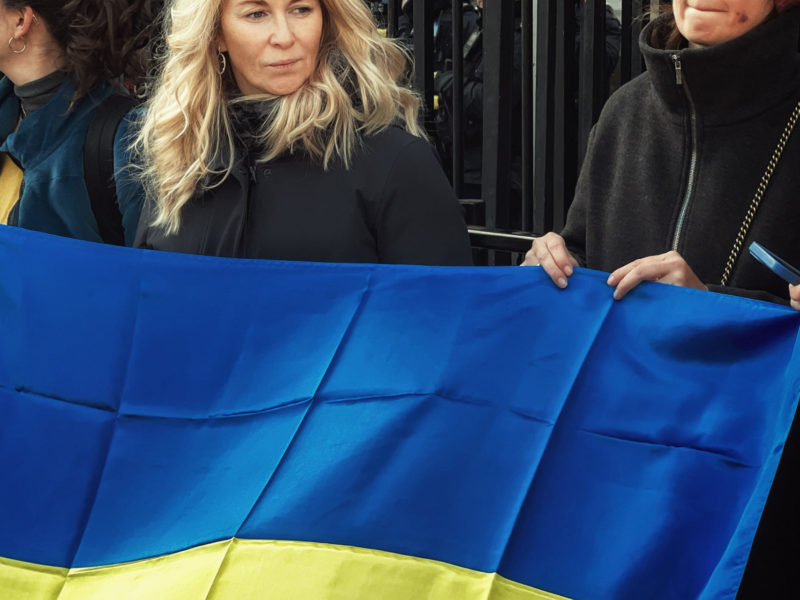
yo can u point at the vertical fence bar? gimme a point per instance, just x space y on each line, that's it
392 17
423 57
561 99
497 65
640 9
544 132
564 113
458 97
560 125
527 116
630 57
591 71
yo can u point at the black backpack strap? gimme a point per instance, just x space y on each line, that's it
98 166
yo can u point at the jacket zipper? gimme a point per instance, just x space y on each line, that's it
679 80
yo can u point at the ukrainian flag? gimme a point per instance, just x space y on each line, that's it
186 427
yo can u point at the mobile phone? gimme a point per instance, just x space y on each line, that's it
775 263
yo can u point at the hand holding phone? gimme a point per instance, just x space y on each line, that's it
775 263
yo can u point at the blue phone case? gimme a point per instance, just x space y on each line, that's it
775 263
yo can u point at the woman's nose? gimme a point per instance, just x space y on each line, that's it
282 34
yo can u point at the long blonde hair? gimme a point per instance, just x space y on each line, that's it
358 89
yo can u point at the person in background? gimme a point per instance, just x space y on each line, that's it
63 59
442 13
613 38
282 129
443 31
473 95
680 161
472 130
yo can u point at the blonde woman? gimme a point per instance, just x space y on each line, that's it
280 129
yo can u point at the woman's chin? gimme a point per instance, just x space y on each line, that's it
273 89
709 28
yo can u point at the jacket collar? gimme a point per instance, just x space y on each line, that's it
246 120
40 133
731 81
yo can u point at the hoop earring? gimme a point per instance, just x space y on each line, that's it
21 50
223 62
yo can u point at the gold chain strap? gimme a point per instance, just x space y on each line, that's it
762 188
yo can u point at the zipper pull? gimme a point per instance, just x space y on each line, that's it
676 58
252 170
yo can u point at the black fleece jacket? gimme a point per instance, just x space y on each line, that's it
393 205
698 146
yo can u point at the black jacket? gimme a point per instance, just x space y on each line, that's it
393 205
636 175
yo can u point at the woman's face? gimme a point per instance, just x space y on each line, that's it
709 22
272 44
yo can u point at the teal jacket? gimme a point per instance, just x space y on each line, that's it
48 146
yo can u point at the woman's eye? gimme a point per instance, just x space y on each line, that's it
302 10
256 14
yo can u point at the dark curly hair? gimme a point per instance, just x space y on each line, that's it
102 40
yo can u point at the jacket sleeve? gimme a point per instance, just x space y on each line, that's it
130 193
473 92
754 294
419 220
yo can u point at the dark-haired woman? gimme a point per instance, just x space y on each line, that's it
61 60
689 163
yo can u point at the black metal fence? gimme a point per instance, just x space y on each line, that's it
538 105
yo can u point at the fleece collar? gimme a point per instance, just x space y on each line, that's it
42 133
732 81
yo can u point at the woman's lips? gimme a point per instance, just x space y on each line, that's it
703 7
282 64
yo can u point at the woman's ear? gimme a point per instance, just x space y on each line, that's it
221 45
27 19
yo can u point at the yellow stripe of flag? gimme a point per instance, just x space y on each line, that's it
261 569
